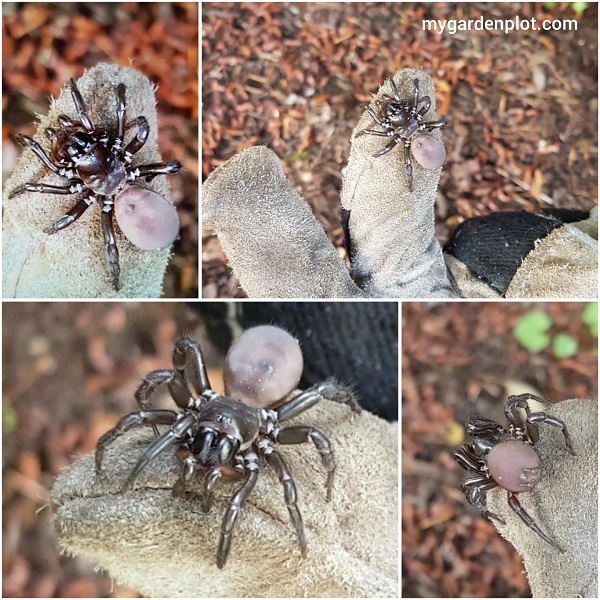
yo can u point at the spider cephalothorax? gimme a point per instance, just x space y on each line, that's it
97 164
402 121
223 437
507 458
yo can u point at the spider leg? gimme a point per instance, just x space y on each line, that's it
474 488
346 228
515 418
72 215
374 132
80 106
524 516
54 147
426 105
27 142
395 93
121 111
433 125
300 434
209 485
150 171
390 146
277 463
235 505
139 140
177 389
408 165
75 187
110 244
541 417
374 115
467 459
416 94
189 468
141 418
175 434
188 361
326 390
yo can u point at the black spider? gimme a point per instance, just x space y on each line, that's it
96 163
507 457
223 437
402 120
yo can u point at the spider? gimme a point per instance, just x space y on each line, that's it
224 437
507 458
402 121
96 163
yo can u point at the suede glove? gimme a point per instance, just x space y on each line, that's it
72 262
277 249
564 504
164 546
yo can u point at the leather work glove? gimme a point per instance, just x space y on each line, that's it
277 249
564 504
165 546
72 262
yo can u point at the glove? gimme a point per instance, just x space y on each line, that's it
564 504
521 255
277 249
165 546
72 262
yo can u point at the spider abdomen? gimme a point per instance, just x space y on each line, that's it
514 466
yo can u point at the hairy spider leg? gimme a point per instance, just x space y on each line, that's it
541 417
468 460
72 215
150 171
210 483
426 105
233 510
110 244
301 434
120 114
416 95
189 362
408 165
290 493
526 518
80 106
141 418
430 125
176 385
326 390
474 488
515 418
395 93
27 142
178 432
74 187
140 138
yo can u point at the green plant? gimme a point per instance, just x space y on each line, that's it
577 7
590 318
533 332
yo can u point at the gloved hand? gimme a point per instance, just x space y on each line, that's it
165 546
277 249
72 263
564 504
